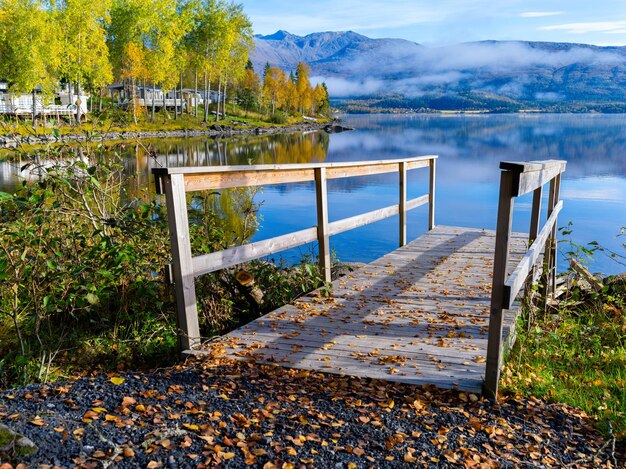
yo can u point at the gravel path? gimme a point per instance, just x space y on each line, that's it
235 414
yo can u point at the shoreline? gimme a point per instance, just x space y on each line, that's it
214 131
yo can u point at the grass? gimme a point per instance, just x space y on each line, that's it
577 357
116 120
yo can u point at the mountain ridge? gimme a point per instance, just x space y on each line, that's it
515 74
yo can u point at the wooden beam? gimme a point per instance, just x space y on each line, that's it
223 177
248 252
414 162
321 195
402 203
501 258
211 181
535 215
361 170
531 175
554 254
417 202
351 223
186 307
431 193
516 280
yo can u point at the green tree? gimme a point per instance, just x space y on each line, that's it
144 37
166 27
29 50
236 46
248 91
205 38
303 87
84 52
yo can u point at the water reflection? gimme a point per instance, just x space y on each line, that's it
470 148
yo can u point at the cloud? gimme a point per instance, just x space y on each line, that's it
607 27
540 14
343 88
501 68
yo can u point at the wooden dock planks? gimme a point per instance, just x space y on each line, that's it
418 315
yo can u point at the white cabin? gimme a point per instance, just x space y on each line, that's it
21 104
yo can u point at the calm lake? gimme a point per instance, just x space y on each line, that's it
470 148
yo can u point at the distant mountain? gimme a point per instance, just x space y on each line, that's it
495 75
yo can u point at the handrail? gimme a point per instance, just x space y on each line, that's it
519 178
176 182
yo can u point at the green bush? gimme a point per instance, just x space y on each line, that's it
78 259
81 260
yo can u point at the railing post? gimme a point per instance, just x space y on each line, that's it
186 307
402 203
551 251
535 218
321 194
535 215
503 235
431 195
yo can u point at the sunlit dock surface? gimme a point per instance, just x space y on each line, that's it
417 315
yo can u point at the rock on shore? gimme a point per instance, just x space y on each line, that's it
212 131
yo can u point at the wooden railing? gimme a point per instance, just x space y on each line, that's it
176 182
518 179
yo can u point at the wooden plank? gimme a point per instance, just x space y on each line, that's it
248 252
402 184
530 166
417 202
186 307
535 220
362 170
321 196
213 181
503 235
351 223
429 310
264 177
516 280
431 193
416 352
555 252
531 175
460 382
414 162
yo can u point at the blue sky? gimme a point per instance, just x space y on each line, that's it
600 22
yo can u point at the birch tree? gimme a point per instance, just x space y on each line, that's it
29 50
84 52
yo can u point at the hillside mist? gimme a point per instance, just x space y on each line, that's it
490 75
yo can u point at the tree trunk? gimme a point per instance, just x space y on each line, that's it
134 91
153 101
100 101
195 95
175 104
78 102
181 93
206 100
224 100
34 109
217 108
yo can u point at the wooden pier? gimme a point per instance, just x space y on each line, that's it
419 315
439 310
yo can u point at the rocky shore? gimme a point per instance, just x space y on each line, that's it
212 131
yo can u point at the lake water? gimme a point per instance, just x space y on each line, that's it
470 148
